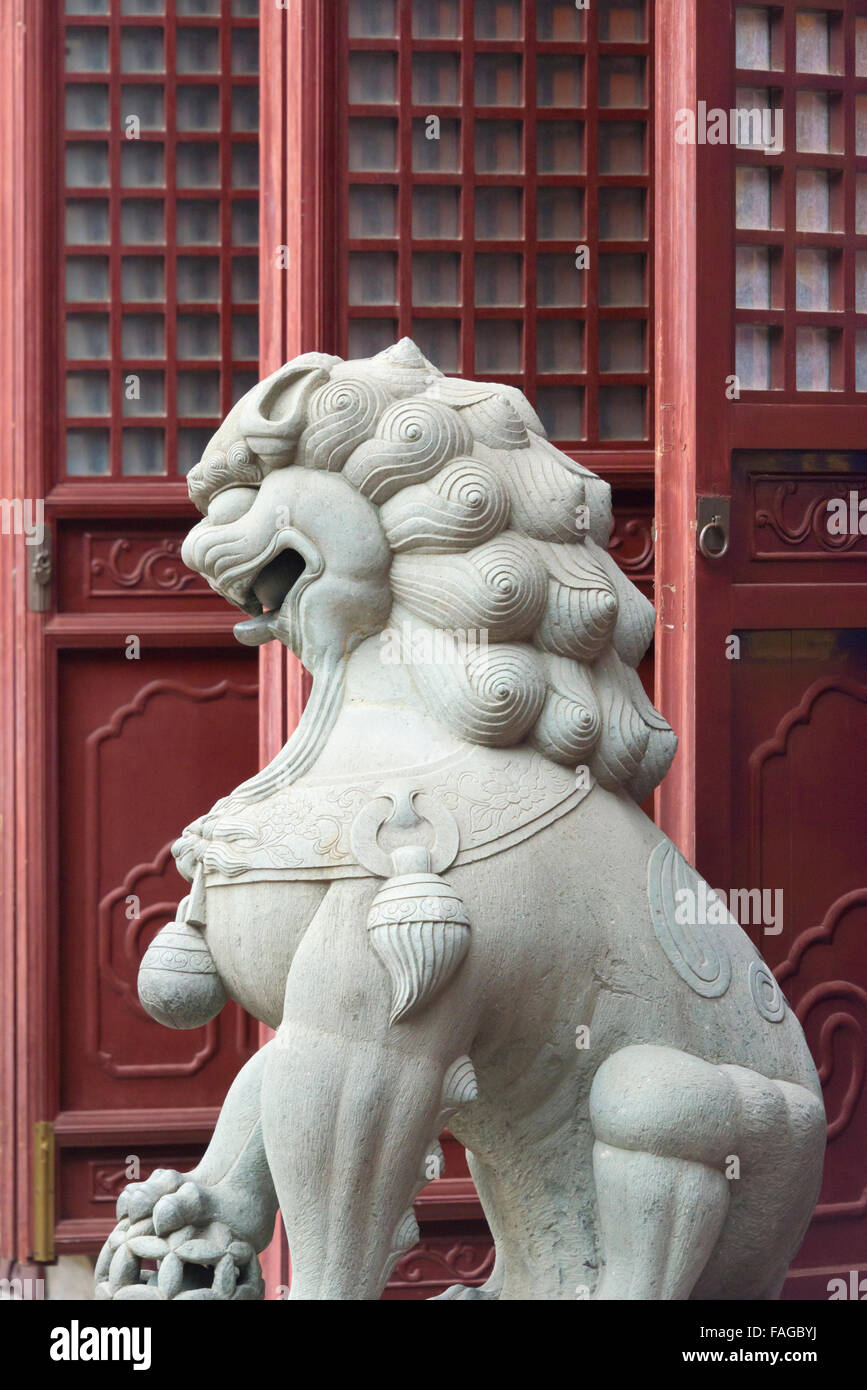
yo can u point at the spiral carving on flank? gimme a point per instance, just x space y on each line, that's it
545 497
463 506
486 410
493 697
581 608
570 724
414 438
499 588
636 616
767 995
625 735
342 414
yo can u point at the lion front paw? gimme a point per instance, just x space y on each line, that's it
168 1246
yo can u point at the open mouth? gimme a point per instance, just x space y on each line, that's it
266 595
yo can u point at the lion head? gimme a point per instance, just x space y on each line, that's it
342 500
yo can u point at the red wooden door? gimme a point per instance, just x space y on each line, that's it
762 652
131 279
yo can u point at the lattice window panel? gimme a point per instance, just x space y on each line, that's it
467 242
801 212
159 292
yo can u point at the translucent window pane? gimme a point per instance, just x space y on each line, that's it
86 220
144 393
245 165
560 284
245 222
560 80
198 278
143 452
142 165
622 81
87 453
372 143
753 198
561 410
621 147
436 278
373 210
367 337
498 19
245 52
142 50
559 20
86 50
622 345
861 282
87 6
86 278
436 79
143 277
435 213
245 108
197 165
143 335
813 39
622 412
372 77
372 277
813 276
498 147
198 50
192 444
242 382
560 345
86 164
560 147
861 204
861 125
753 357
245 279
198 7
142 220
498 79
861 48
622 214
499 213
753 37
139 7
87 393
245 336
753 277
198 108
436 19
622 21
87 335
198 393
86 107
814 122
814 354
146 103
498 345
198 335
861 360
814 201
436 149
372 19
758 120
499 279
440 341
560 213
622 280
198 222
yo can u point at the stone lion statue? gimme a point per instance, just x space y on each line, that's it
443 894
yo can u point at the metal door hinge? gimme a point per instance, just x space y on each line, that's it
43 1192
39 573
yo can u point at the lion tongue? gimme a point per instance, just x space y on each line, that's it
253 632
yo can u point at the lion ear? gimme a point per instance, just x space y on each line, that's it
272 416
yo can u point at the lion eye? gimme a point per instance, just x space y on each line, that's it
232 503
